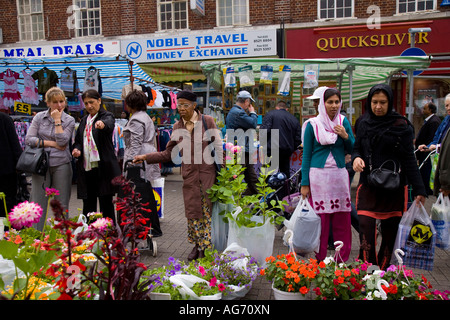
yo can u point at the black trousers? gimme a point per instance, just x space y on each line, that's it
105 201
250 175
368 237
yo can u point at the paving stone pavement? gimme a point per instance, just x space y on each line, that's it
174 242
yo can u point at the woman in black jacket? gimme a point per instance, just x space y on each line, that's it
383 135
97 163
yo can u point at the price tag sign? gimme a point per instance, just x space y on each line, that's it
22 107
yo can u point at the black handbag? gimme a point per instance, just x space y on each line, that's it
33 160
384 178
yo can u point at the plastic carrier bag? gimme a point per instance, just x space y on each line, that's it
246 77
219 228
440 215
306 230
416 237
257 240
235 250
186 282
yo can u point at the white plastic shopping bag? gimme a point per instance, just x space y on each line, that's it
235 250
307 230
219 228
186 282
440 215
257 240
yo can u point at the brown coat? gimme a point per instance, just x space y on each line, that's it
193 173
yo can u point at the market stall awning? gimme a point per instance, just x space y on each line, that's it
115 71
354 76
185 71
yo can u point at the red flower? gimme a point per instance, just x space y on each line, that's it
64 296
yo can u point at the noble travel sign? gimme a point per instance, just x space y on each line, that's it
202 46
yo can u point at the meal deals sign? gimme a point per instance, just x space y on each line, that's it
221 45
62 50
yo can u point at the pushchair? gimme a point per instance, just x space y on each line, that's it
144 188
278 181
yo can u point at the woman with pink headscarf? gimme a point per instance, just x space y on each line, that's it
326 139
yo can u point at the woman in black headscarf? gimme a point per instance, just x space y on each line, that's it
383 135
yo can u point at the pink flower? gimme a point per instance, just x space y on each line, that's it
392 268
229 146
202 271
101 224
221 287
51 192
213 282
25 214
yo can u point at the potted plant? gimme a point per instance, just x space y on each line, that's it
251 223
291 278
339 281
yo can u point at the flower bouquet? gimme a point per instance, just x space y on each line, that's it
288 274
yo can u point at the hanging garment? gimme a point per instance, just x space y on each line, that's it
2 107
30 93
92 80
11 92
173 97
46 79
127 89
75 103
167 101
69 82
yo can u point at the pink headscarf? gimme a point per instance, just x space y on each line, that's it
322 125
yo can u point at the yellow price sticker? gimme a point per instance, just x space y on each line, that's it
22 107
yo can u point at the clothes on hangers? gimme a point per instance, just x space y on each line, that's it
22 126
92 80
46 79
30 93
11 92
75 103
127 89
69 82
173 97
167 100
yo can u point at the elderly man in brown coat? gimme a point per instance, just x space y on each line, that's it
198 170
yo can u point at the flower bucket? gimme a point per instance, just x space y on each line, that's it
219 228
283 295
159 296
257 240
2 228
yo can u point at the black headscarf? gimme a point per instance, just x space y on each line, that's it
377 126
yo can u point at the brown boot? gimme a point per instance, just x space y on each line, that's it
194 253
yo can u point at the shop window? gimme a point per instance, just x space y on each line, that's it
31 20
407 6
172 14
335 9
88 13
232 12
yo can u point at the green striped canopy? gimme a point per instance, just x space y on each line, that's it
362 73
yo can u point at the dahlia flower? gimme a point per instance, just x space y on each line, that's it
101 224
25 214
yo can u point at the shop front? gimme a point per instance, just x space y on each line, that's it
390 39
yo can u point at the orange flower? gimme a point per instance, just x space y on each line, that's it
262 272
304 290
322 264
270 259
341 279
338 273
282 265
347 273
